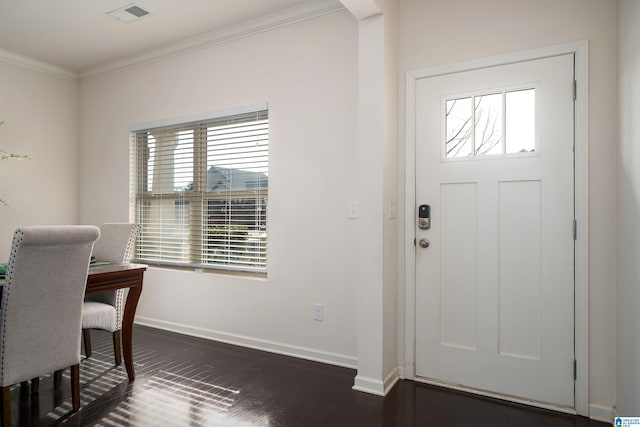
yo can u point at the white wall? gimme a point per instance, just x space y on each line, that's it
40 112
307 72
434 32
628 314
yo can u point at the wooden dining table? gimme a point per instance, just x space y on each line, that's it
109 277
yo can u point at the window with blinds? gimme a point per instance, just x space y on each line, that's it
201 192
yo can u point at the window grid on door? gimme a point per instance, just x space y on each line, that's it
489 125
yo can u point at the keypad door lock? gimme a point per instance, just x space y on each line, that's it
424 217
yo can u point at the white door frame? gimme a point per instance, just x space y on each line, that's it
581 321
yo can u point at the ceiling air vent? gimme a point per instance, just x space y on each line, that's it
128 13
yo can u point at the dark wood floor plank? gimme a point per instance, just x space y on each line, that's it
189 381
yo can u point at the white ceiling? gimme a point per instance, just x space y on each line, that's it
79 35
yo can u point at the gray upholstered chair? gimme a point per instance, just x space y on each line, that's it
104 310
41 311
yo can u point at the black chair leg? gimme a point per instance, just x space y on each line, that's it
75 387
6 406
86 336
35 385
57 379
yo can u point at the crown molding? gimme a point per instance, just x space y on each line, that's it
254 26
37 65
362 9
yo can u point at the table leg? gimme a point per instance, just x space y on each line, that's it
127 328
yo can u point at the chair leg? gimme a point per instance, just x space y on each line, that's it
35 385
57 379
6 406
86 336
75 387
117 349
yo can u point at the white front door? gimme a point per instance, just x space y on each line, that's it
495 287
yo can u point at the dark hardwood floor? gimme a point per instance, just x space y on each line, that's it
185 381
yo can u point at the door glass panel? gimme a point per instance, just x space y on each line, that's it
458 128
520 121
494 124
488 124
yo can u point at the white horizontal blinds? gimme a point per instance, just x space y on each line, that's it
201 196
165 165
237 181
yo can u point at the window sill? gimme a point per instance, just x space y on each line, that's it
212 271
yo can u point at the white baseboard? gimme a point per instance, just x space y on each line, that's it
392 379
401 372
368 385
601 413
376 386
254 343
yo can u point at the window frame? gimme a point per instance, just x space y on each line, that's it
196 241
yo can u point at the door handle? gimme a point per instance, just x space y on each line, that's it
424 242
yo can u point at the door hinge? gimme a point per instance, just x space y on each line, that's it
575 369
575 90
414 241
575 229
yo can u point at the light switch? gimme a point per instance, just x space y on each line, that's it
392 211
353 210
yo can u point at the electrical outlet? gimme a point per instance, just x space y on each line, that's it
318 312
